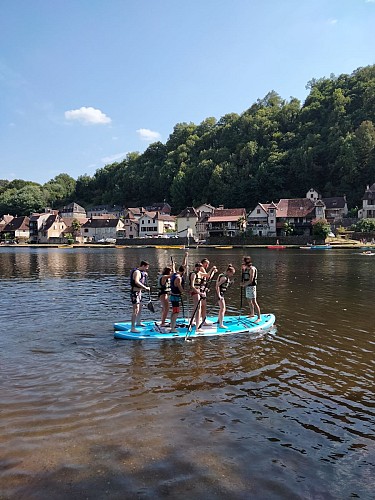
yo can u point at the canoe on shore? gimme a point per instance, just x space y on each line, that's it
321 247
276 247
233 325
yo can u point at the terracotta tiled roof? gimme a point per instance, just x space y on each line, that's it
227 214
296 207
17 223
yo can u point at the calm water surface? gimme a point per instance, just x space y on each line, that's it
289 414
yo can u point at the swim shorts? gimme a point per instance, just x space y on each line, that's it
175 301
251 292
136 297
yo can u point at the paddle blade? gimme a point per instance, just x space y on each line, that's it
150 307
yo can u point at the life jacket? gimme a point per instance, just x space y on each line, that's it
174 289
224 285
166 288
142 279
246 276
199 280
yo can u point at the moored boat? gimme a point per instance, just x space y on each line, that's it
321 247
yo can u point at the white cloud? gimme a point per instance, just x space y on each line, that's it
370 1
148 135
110 159
89 115
333 21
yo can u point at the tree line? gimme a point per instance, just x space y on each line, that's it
275 149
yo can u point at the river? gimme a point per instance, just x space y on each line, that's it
288 414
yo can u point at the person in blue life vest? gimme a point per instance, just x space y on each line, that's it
138 283
164 285
249 281
177 289
222 283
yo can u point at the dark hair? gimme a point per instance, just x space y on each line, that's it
231 268
167 270
181 269
144 263
198 264
205 260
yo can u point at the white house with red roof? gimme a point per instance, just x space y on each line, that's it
226 222
269 219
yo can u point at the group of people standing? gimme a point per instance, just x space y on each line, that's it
172 283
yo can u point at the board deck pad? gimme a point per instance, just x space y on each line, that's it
234 324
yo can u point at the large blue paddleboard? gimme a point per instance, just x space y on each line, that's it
234 324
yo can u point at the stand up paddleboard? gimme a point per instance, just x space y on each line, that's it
234 325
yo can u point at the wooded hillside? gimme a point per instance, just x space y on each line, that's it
275 149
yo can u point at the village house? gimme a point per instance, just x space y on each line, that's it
368 204
186 223
36 222
52 230
98 229
226 222
108 211
262 220
336 208
17 229
203 211
154 224
161 207
134 212
4 220
269 219
131 225
73 211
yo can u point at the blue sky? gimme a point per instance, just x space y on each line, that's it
84 82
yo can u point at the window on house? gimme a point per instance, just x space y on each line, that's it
258 210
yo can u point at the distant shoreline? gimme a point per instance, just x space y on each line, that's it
340 246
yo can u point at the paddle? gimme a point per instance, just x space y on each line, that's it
150 305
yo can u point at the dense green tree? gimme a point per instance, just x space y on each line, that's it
365 225
24 201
